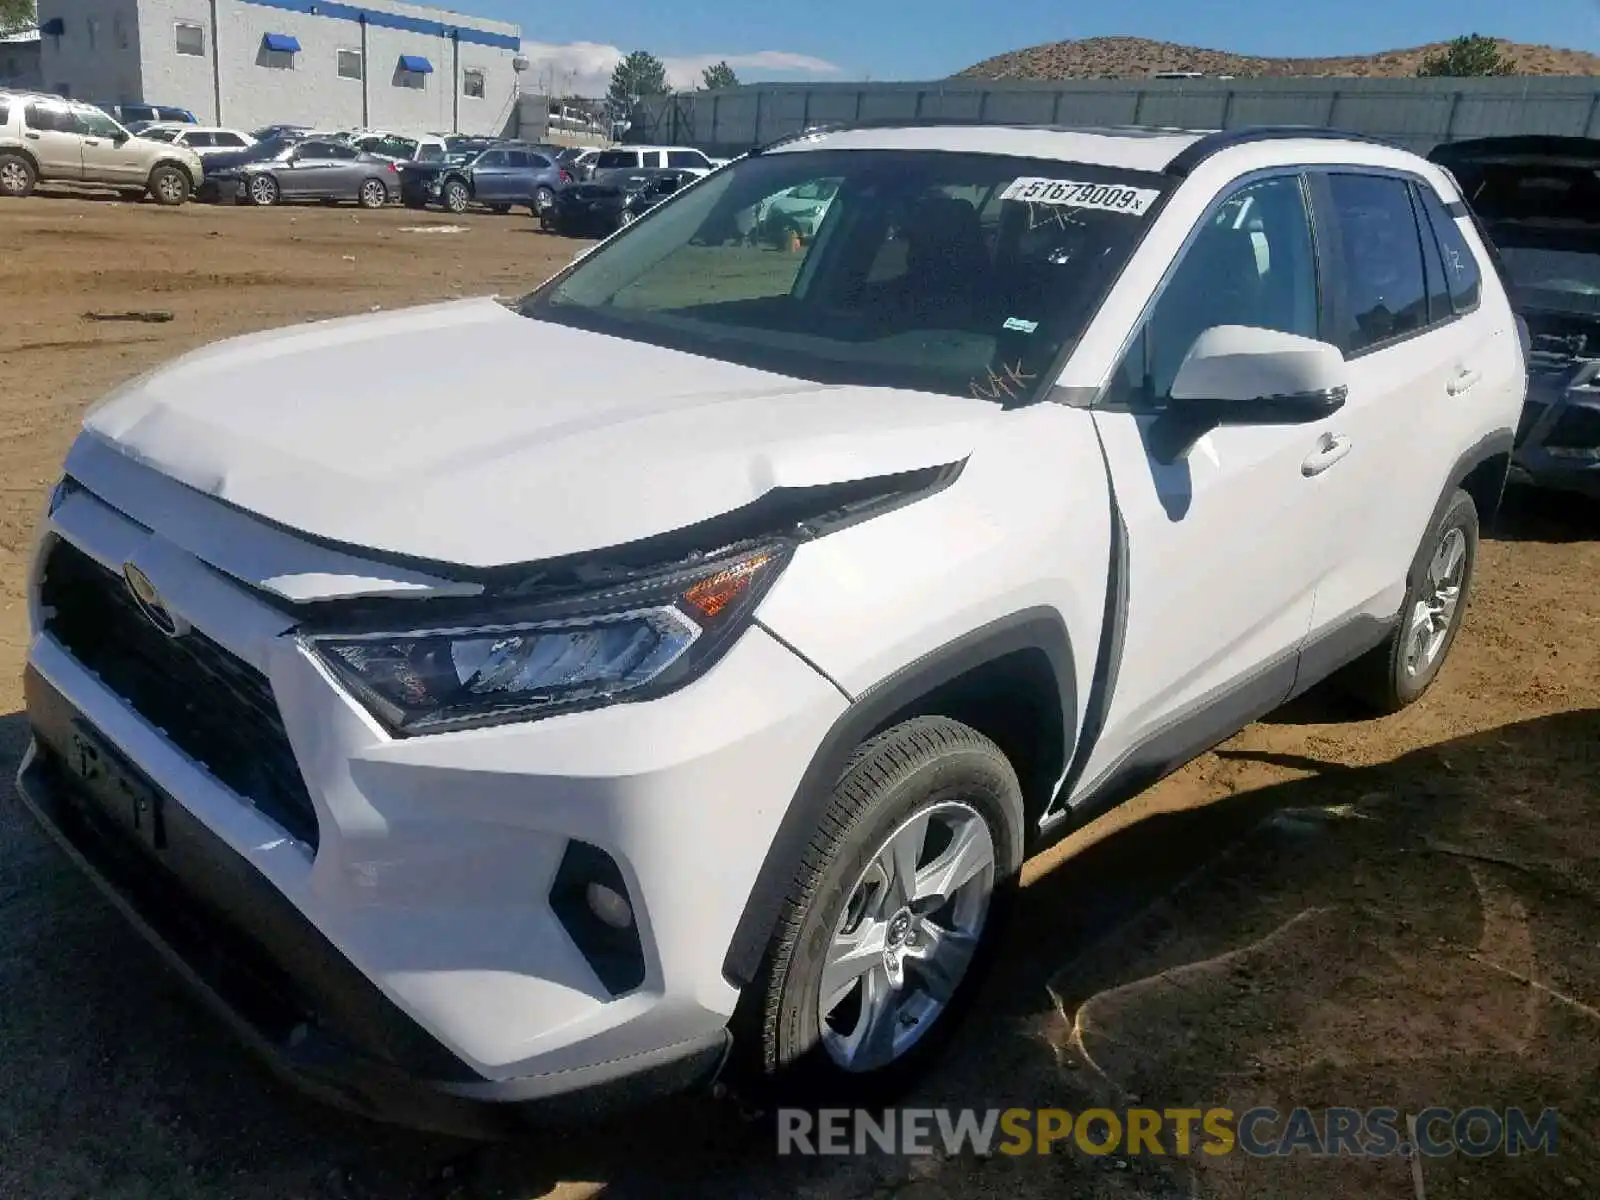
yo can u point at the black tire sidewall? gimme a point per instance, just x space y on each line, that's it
968 773
1461 514
162 172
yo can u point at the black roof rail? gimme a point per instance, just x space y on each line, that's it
1215 143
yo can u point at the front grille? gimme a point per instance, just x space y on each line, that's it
1576 429
215 708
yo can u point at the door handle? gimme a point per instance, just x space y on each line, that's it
1464 380
32 137
1330 449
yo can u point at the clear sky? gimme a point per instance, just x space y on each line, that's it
921 39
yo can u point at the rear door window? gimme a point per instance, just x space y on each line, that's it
5 113
1384 289
230 140
616 160
50 118
687 160
1463 279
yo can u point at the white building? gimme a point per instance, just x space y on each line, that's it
248 63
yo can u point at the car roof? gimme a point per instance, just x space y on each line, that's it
1176 152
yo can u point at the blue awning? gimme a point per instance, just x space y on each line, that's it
416 63
284 43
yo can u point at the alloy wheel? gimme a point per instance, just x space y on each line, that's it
263 190
1434 612
171 188
907 936
13 178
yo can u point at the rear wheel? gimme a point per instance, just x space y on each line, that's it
17 175
543 198
891 918
169 185
262 191
1398 672
456 197
373 194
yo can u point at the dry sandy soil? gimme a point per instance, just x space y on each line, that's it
1325 911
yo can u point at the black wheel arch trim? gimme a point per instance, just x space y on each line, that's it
1497 445
880 707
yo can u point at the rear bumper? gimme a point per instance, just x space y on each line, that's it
281 987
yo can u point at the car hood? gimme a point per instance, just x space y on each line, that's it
482 454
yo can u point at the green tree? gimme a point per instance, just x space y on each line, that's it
640 74
719 76
18 14
1473 54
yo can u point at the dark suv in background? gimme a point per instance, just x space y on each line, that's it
498 177
1538 199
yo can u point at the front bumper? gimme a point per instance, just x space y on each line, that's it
1558 439
433 884
277 983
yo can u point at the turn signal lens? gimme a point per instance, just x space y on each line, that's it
710 596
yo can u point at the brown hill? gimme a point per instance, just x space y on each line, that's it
1133 58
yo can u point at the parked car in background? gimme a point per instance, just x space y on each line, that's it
1539 201
598 208
129 115
205 140
399 148
308 170
578 161
635 158
45 138
272 133
497 178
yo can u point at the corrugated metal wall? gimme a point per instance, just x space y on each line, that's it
1415 113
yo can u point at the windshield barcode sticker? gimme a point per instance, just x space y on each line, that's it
1106 197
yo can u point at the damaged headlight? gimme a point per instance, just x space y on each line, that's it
522 662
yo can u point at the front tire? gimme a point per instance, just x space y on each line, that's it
891 919
456 197
1397 673
169 185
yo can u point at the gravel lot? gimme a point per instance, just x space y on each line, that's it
1326 911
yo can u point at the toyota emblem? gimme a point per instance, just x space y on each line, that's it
150 603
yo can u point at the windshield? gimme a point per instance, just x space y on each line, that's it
964 274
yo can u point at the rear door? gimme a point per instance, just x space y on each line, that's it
1413 365
1224 544
50 130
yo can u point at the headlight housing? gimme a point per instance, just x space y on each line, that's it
520 661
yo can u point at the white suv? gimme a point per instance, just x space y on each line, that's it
472 745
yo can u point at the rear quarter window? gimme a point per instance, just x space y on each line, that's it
1462 275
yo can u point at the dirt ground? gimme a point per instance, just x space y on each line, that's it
1325 911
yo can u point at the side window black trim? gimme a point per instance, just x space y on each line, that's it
1135 337
1324 194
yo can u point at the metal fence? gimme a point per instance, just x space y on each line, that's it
1415 113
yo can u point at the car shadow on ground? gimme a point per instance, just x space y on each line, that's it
1540 515
1418 932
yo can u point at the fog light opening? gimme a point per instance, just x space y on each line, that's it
609 906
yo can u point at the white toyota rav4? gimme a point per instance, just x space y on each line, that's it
473 746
